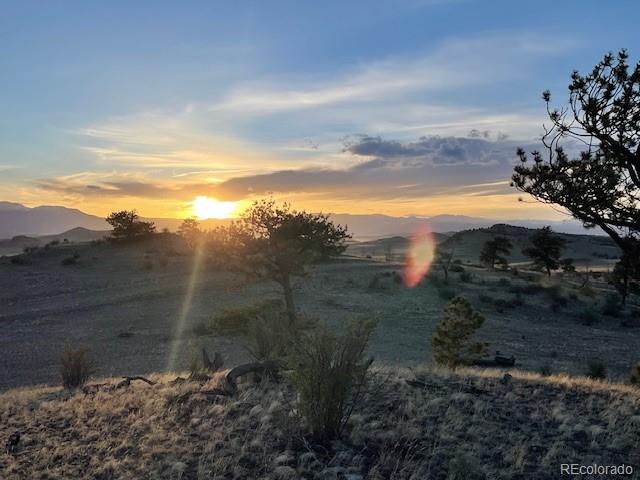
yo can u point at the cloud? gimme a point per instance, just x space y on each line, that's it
453 64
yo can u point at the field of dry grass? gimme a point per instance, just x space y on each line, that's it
467 424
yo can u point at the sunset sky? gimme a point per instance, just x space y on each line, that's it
400 108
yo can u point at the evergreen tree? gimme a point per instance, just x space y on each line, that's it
546 249
495 251
452 341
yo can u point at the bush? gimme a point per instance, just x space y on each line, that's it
452 341
466 277
272 335
72 260
446 293
328 372
20 260
76 367
635 375
501 304
237 321
612 305
456 268
596 369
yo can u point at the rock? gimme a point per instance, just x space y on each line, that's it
284 472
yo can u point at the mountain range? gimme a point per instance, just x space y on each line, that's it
16 219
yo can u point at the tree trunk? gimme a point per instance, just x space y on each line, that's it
288 298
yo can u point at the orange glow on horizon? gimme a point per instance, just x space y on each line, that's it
420 256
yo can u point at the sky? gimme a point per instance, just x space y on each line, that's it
400 108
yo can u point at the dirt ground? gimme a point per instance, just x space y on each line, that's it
126 305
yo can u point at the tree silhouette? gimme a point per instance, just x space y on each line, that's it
546 249
128 226
277 242
190 230
602 186
495 251
624 276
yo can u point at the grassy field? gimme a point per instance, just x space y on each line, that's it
470 424
129 306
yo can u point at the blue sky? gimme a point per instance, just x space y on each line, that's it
149 104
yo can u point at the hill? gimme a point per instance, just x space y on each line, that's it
471 424
586 250
18 243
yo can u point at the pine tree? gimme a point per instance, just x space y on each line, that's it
495 251
452 341
545 250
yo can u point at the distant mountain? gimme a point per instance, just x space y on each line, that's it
16 219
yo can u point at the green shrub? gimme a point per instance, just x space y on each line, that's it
328 372
612 305
237 321
452 341
272 335
596 369
75 367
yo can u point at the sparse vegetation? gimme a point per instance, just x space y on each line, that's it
329 372
72 260
545 250
75 367
596 369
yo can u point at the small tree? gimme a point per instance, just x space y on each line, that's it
624 276
277 242
495 251
329 372
189 229
546 249
128 226
452 341
443 260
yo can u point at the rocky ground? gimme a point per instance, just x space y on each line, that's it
472 424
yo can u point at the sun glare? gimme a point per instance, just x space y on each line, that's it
420 256
205 207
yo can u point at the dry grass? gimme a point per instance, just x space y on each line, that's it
462 424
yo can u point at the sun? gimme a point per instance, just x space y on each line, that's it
205 207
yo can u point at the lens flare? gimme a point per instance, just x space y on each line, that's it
420 256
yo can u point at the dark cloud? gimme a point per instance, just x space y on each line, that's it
436 150
388 169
